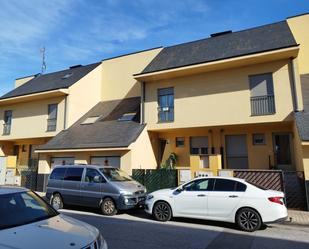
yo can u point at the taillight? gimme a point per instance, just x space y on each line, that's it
278 200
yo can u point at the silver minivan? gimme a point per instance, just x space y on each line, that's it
108 188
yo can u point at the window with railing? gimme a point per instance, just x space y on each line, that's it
166 104
262 98
7 122
52 117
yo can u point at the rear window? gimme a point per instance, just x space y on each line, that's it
74 174
57 174
229 185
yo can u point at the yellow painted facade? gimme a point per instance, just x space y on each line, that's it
223 97
117 74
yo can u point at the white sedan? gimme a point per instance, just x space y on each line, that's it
27 221
219 198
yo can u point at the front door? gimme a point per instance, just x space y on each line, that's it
283 151
236 151
192 201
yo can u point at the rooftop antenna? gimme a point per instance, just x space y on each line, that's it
43 68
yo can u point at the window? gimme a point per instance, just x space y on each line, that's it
258 139
7 122
90 120
229 185
180 141
166 104
199 145
262 94
74 174
200 185
57 174
91 174
127 117
240 187
52 117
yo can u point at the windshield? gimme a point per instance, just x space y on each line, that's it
115 175
23 208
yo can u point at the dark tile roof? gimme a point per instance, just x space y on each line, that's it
229 45
107 132
51 81
302 123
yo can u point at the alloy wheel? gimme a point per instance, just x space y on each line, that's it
162 212
249 220
56 202
108 207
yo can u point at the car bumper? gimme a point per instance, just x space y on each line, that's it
280 220
125 203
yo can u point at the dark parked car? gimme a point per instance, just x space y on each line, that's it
108 188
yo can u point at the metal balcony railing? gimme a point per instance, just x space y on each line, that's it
51 124
263 105
6 129
165 113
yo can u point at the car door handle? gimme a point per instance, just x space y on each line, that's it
201 195
233 196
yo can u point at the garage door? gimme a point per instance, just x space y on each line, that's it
61 161
106 160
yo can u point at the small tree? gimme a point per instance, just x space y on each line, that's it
171 161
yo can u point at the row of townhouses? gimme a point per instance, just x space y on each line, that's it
235 100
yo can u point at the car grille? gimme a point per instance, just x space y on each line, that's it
140 192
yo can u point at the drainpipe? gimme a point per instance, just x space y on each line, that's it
65 112
142 118
295 86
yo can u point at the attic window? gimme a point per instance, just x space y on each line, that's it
67 76
90 120
127 116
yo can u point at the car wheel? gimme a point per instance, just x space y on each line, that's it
108 207
162 211
56 201
248 220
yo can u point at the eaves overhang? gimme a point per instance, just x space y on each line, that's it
227 63
81 150
34 96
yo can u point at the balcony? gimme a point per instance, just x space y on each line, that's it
263 105
51 124
6 129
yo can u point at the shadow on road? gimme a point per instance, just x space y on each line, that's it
141 214
123 233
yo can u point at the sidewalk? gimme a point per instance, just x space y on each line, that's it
296 217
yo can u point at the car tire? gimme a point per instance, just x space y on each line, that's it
162 211
248 220
108 207
56 201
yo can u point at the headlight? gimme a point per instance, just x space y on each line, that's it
149 197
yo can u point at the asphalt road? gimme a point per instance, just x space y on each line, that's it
137 230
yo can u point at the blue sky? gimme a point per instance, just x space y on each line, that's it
86 31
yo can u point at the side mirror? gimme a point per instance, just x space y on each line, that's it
98 179
180 189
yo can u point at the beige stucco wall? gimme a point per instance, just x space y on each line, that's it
299 26
83 95
220 97
29 119
117 74
21 81
142 154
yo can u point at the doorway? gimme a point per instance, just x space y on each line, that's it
283 151
236 152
